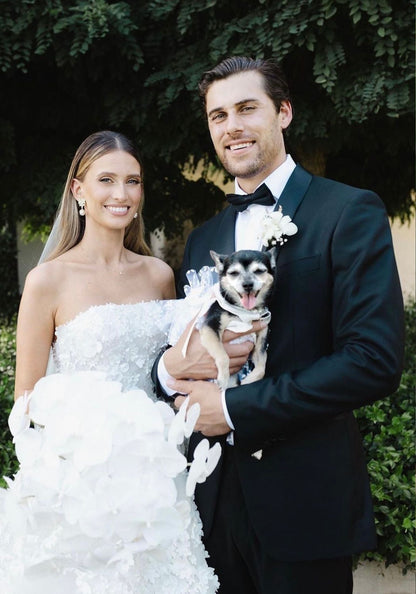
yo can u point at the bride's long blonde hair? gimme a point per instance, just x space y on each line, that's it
69 225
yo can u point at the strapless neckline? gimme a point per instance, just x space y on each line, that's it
110 304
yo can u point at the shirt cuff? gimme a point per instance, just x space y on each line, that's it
163 376
225 411
230 436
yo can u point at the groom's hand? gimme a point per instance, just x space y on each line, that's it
211 421
198 364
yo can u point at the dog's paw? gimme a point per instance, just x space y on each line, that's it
253 376
234 381
223 381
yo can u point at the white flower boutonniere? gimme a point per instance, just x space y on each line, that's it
276 228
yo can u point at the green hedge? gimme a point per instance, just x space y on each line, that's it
387 428
8 463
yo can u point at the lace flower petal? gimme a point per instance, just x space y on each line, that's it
19 419
205 460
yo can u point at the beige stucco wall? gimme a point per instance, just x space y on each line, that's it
375 578
404 241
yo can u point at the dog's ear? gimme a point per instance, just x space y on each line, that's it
219 260
272 253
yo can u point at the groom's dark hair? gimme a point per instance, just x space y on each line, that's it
275 84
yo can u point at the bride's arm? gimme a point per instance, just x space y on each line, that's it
35 329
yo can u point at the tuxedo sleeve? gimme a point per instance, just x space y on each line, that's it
366 316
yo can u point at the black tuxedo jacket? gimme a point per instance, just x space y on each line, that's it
335 344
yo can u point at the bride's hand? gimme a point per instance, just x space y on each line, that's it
197 363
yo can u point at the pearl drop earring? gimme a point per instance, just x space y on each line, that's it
81 204
135 215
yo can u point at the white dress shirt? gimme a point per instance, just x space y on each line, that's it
248 225
248 228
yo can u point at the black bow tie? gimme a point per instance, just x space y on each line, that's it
261 196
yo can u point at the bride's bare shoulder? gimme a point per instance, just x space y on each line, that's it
46 276
160 274
158 266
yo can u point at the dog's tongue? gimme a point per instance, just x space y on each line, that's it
248 301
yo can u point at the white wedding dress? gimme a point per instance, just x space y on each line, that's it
98 505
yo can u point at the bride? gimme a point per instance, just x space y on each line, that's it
100 503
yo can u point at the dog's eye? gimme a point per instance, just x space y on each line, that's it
259 271
233 273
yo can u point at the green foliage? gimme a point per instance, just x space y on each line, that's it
71 67
31 28
388 429
8 462
9 295
359 50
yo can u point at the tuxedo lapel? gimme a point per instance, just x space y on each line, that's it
293 194
223 238
294 191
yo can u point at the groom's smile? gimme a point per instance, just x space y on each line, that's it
240 145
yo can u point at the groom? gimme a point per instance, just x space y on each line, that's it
288 520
